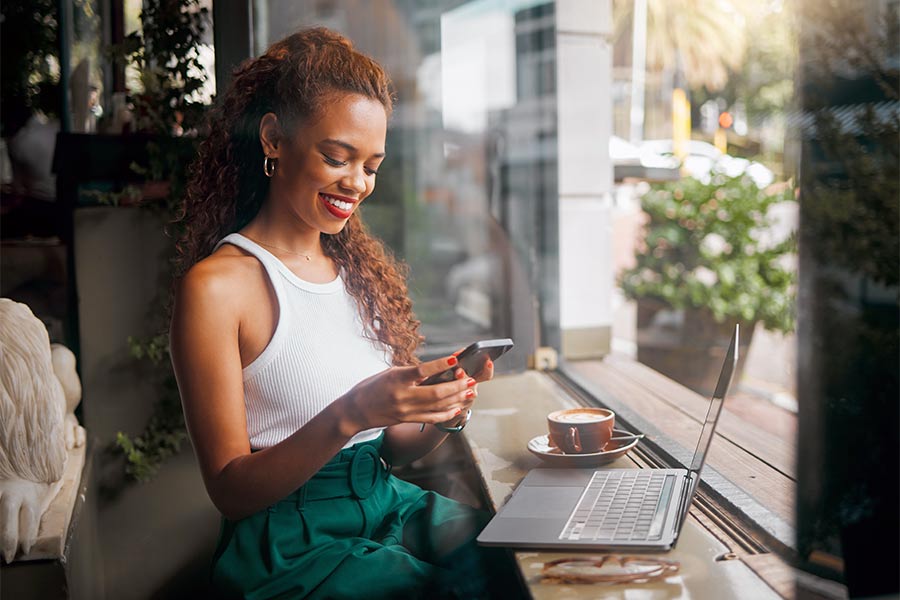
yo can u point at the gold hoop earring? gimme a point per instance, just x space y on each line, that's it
269 166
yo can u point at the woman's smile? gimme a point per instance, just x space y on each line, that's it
339 206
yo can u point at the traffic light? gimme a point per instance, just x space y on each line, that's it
725 120
720 139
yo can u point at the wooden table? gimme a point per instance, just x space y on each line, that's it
508 413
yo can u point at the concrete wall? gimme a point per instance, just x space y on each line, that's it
155 539
584 76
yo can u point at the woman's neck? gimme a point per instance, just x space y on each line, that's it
284 233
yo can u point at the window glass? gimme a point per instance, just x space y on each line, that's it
705 214
755 152
470 173
135 79
86 77
848 132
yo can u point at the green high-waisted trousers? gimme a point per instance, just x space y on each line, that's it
354 531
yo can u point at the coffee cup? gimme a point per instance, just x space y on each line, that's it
581 430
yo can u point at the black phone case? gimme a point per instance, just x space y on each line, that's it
472 359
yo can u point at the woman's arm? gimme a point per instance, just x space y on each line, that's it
205 348
206 356
406 442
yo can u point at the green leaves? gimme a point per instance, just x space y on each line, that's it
165 432
166 53
708 245
161 439
155 349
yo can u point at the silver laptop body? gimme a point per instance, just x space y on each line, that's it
607 509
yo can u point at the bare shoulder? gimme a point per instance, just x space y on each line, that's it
222 280
222 300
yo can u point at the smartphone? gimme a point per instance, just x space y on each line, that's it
472 359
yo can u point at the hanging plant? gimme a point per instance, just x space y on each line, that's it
170 107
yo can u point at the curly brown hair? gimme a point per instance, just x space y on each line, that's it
227 186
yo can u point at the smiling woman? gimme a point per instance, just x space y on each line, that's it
293 344
328 167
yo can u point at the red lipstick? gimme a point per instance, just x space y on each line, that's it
337 212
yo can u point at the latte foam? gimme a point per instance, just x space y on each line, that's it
580 417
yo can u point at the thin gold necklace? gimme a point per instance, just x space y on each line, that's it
303 254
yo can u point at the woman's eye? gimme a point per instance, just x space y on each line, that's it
334 162
371 171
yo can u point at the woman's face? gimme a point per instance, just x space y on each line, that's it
326 167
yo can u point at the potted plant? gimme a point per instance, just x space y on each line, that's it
709 260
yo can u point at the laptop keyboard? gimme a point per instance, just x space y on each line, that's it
617 506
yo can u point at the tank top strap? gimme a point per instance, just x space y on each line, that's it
271 265
269 262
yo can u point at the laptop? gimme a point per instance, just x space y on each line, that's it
607 509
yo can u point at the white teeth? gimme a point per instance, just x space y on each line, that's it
338 203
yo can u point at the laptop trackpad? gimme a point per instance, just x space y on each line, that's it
534 502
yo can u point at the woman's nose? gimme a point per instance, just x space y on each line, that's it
355 181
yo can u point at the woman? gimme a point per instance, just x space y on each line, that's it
293 343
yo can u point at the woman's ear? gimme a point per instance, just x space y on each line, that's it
269 134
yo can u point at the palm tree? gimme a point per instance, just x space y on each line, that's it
697 39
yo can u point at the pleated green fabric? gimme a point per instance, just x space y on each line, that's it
354 531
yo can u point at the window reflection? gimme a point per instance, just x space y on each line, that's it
850 315
86 78
471 167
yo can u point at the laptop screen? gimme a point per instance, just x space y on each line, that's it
715 407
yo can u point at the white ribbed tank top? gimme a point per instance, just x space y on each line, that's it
317 353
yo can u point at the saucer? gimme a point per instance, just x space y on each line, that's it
540 447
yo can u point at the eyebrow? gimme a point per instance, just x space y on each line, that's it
348 147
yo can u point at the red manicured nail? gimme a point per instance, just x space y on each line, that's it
452 361
460 373
470 394
490 363
470 382
458 412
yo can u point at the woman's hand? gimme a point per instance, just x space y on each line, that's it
395 396
485 374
